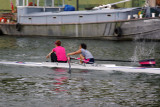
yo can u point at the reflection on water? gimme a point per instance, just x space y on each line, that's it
60 79
92 88
54 87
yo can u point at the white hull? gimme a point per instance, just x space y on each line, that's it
104 67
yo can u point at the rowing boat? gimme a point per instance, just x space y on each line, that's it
104 67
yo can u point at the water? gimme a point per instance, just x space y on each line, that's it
54 87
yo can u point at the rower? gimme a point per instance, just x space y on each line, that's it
85 55
58 54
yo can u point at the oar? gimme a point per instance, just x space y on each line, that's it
114 60
69 62
144 63
108 60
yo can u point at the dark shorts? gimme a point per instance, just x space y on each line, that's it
62 61
89 61
54 58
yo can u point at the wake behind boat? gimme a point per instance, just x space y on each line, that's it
100 67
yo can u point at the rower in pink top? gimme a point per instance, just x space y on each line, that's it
58 54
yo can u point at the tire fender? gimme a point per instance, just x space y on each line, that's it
118 32
18 27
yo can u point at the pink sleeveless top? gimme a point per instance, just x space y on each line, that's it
60 53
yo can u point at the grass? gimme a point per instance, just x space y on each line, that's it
5 4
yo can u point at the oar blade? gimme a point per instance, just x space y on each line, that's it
147 63
69 63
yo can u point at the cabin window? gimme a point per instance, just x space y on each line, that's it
54 17
49 3
109 15
20 3
80 16
29 18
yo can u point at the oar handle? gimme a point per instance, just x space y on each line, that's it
85 61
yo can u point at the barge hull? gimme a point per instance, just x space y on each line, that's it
117 30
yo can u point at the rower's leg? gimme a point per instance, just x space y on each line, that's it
82 58
53 57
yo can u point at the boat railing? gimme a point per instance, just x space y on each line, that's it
8 17
39 3
108 6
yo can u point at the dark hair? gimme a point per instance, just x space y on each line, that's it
58 43
83 45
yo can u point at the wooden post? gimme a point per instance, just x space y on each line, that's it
63 3
77 5
45 3
158 2
52 3
26 2
23 2
17 2
33 2
37 2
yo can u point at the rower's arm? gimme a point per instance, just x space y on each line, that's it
74 53
49 54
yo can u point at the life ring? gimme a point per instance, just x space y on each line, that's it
18 27
118 32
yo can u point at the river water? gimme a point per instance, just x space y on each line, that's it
54 87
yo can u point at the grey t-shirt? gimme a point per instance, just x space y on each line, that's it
86 54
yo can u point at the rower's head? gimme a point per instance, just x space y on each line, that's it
58 43
83 45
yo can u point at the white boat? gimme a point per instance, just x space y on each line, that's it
104 67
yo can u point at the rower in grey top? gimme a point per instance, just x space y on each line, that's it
86 54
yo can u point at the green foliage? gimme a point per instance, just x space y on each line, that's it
136 3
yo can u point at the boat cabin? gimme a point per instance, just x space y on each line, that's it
46 3
31 6
55 12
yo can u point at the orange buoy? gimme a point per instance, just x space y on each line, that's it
158 2
3 19
31 4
